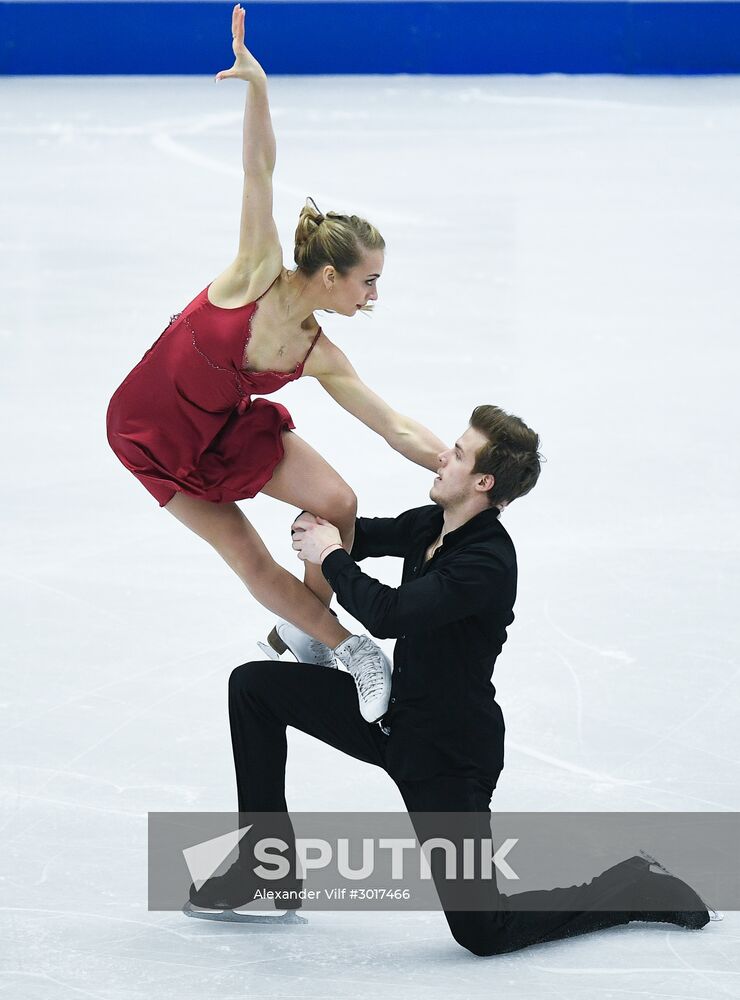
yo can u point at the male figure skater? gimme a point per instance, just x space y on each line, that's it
442 738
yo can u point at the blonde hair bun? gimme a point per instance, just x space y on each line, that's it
332 239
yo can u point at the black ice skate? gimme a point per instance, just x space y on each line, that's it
672 900
222 897
660 896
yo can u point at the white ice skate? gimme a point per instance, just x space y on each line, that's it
306 649
371 670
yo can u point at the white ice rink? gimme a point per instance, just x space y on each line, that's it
565 247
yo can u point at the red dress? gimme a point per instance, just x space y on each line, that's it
184 419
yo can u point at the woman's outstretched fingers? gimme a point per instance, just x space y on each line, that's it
245 65
237 25
235 19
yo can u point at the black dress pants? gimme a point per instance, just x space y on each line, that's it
266 697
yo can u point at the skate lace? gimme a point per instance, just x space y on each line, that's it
369 675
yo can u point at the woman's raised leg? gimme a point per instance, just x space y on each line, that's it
307 481
225 527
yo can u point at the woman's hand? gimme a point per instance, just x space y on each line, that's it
245 65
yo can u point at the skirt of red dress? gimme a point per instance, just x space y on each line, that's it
234 465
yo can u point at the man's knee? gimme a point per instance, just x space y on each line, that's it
249 678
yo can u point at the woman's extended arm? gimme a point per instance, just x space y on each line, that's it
259 256
411 439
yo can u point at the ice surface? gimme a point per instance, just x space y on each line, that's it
565 247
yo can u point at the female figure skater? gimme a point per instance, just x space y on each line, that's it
185 424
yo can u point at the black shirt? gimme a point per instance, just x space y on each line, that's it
450 616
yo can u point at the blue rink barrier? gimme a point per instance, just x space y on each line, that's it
372 36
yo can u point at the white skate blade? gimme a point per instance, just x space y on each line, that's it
239 917
716 915
268 651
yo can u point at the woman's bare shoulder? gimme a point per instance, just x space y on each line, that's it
326 359
242 283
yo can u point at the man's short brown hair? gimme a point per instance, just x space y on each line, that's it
511 456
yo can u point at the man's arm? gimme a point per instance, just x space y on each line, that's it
383 536
374 536
458 588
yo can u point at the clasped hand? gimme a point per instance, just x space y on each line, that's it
312 536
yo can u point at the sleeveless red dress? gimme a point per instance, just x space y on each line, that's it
184 419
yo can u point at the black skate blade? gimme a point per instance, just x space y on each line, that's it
243 917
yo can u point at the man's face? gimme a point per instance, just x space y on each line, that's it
456 481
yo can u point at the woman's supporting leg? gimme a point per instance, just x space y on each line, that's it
305 480
225 527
